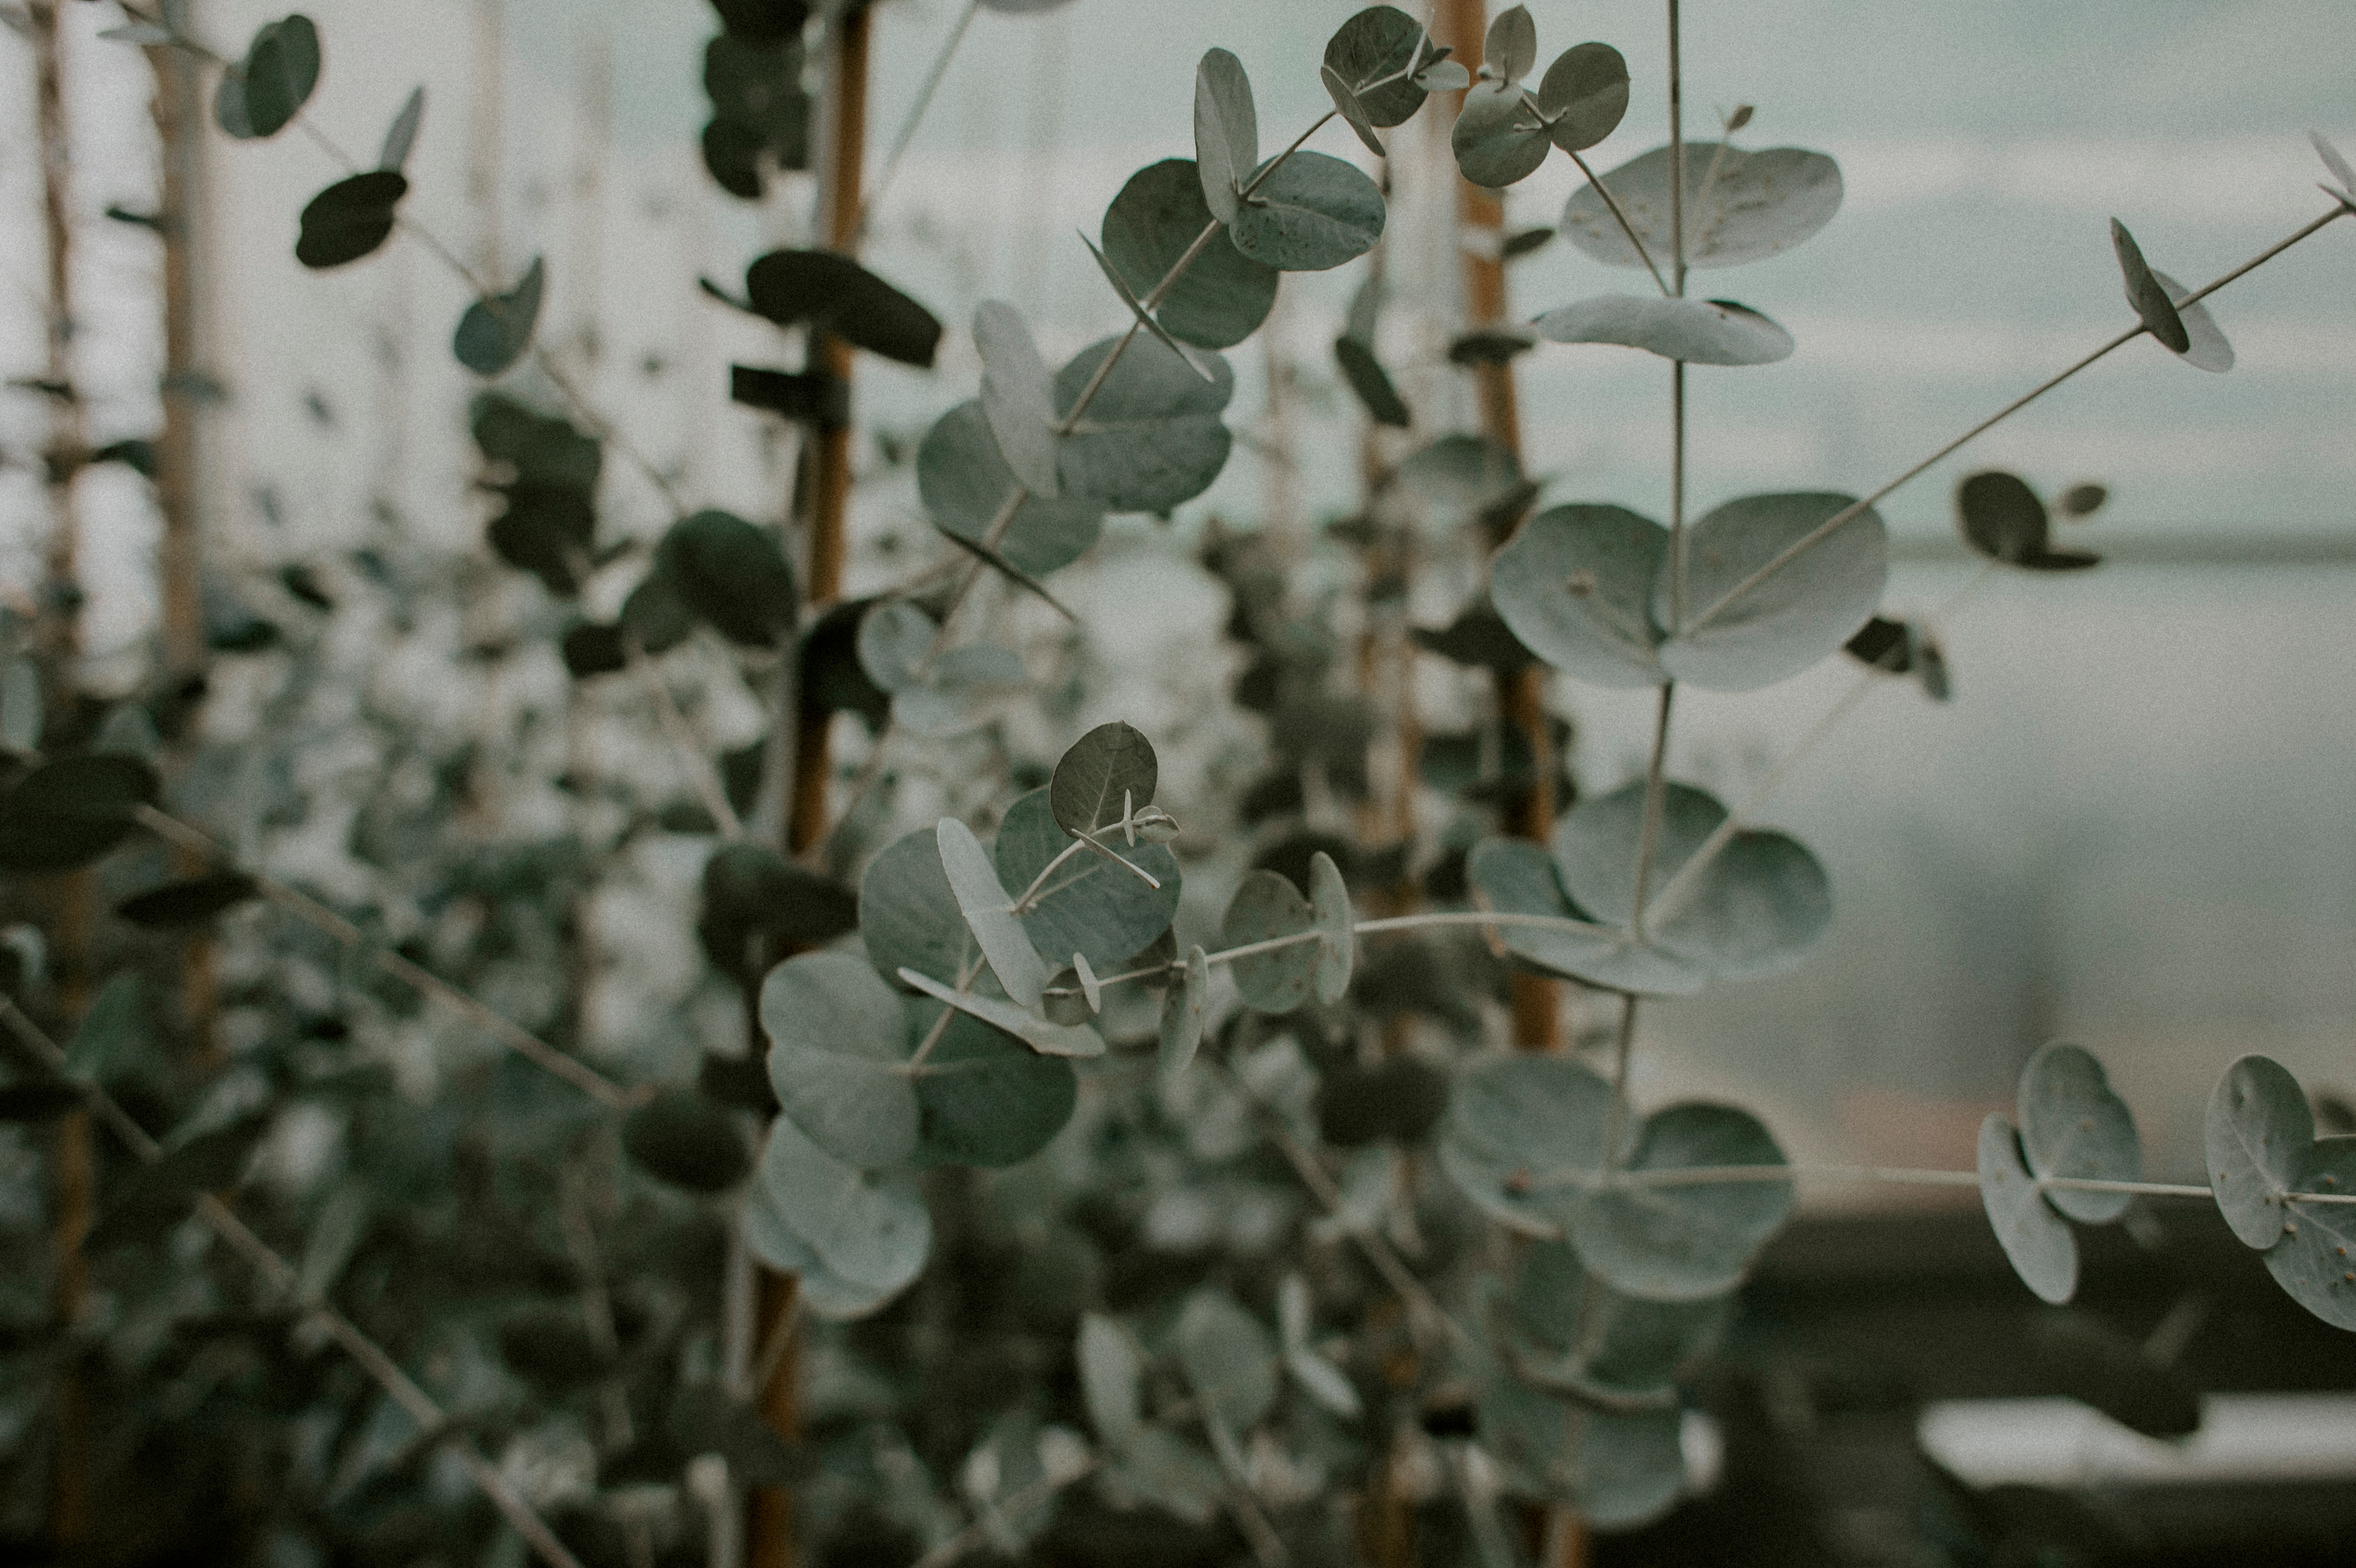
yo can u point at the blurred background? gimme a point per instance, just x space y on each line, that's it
2132 827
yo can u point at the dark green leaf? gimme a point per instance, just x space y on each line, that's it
731 576
2151 303
1311 213
1511 50
2002 519
987 1099
40 1100
153 1198
1223 297
1337 942
1371 382
350 219
259 97
2087 1360
1090 906
1521 1133
1107 772
1595 1338
592 648
908 915
1226 131
1181 1015
682 1138
69 812
189 903
838 295
552 1347
1479 638
763 21
1619 1470
2315 1256
496 329
869 1229
964 483
1499 137
2206 348
548 531
1584 95
113 1033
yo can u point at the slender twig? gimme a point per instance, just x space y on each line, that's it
1677 152
1596 182
907 132
1874 1174
1655 798
704 778
283 1276
1824 529
521 1041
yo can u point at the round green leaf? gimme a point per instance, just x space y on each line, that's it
1788 620
731 576
2205 346
2002 519
1575 585
1684 1243
894 639
2072 1125
1228 1357
907 914
66 814
1499 137
1265 908
2037 1240
1699 332
989 915
1226 131
1375 54
496 329
965 687
1757 204
1312 213
2314 1260
1584 95
1371 383
2151 303
870 1228
1016 400
281 69
682 1138
1109 770
1152 437
1181 1015
1510 52
1521 1134
1337 940
2256 1134
1094 908
838 1053
985 1098
963 481
1619 1471
1513 876
1223 297
1598 1338
350 219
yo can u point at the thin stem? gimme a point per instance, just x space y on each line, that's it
1623 1051
1022 905
702 774
1595 182
522 1041
1824 529
941 1025
1656 797
283 1276
1677 152
1879 1175
1677 496
907 132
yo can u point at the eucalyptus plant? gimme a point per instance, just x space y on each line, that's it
1099 1210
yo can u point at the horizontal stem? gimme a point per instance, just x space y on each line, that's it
1878 1175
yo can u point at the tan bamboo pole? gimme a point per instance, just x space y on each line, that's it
73 896
1521 696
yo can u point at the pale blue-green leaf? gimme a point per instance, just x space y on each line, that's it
2205 347
1684 1243
1511 50
1760 907
1089 906
2256 1134
1520 1134
1181 1015
1229 1360
1152 437
1223 297
2149 301
2071 1124
1499 137
818 1290
496 329
908 915
1110 1372
1075 1041
1312 213
1787 621
401 134
1575 584
838 1056
1460 472
1584 95
112 1031
965 687
2034 1238
1325 1382
1226 131
147 35
989 915
1337 941
1444 76
2315 1261
1740 206
893 638
20 707
1171 1473
1699 332
1266 907
1016 400
1354 113
870 1228
1595 1337
985 1098
1513 876
964 484
1194 359
1619 1471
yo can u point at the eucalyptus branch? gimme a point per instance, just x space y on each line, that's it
283 1277
1874 1175
907 132
1595 182
1824 529
1655 798
521 1041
